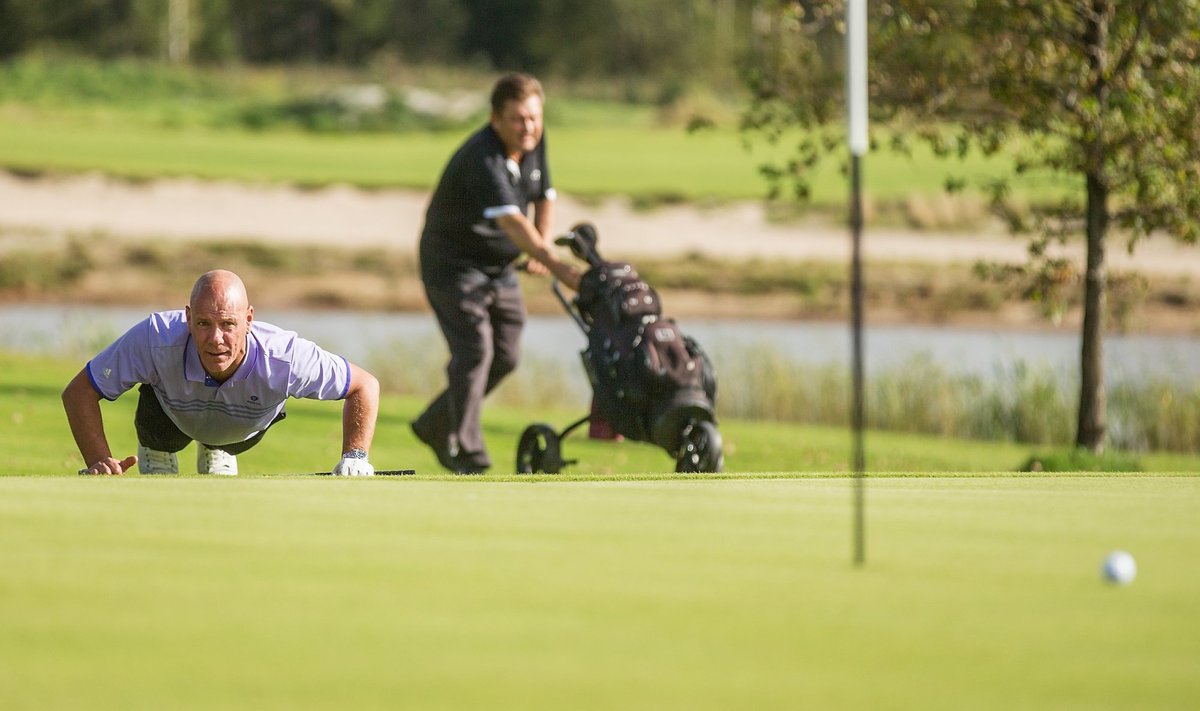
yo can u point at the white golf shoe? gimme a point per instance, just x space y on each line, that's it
152 461
215 461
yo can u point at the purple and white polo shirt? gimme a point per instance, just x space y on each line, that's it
279 364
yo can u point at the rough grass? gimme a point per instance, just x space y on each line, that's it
37 440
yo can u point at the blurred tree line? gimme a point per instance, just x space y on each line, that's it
659 38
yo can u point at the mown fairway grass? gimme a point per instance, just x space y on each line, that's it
646 162
617 585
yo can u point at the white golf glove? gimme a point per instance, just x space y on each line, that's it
354 463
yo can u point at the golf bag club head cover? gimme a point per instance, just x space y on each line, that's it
582 240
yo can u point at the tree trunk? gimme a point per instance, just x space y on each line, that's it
1093 404
178 31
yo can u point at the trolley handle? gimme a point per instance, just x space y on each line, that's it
556 287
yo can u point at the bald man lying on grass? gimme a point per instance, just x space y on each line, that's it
210 373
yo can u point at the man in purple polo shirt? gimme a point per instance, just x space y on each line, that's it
212 374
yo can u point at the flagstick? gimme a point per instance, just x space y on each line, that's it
856 90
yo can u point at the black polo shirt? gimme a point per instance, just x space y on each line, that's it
479 184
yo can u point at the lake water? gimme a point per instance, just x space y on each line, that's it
79 331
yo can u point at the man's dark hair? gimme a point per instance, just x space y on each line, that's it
515 87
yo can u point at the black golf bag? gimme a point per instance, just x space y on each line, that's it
650 381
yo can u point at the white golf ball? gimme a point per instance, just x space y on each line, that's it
1120 568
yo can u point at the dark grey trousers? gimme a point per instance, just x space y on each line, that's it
481 318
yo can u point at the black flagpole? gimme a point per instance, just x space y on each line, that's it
858 414
856 105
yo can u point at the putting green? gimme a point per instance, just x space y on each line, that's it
276 592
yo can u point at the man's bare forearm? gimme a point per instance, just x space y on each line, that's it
360 410
82 404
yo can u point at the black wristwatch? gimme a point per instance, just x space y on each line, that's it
355 454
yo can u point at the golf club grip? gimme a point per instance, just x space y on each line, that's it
378 472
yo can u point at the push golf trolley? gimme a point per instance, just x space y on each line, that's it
650 382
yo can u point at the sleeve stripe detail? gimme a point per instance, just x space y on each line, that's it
95 386
492 213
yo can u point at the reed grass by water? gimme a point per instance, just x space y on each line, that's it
1020 403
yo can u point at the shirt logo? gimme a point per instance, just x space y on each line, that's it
535 176
108 372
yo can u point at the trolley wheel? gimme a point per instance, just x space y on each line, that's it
701 451
539 450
